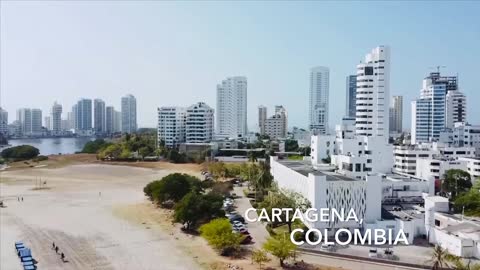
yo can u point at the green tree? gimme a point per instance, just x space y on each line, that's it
281 247
260 257
291 146
440 258
469 202
252 156
219 235
94 147
145 151
172 187
456 182
20 152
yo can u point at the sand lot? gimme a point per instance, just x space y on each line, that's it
78 212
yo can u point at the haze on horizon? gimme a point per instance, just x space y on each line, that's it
175 53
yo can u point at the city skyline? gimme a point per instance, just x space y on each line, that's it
152 71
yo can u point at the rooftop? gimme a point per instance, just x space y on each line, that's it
306 168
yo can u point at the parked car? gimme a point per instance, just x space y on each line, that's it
237 217
247 240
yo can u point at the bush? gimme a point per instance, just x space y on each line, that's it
93 147
172 187
21 152
40 158
219 235
195 208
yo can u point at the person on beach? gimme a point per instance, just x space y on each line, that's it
63 257
56 249
53 245
22 199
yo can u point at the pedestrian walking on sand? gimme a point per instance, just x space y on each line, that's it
53 245
56 249
22 199
63 257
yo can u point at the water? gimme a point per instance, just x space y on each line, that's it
54 146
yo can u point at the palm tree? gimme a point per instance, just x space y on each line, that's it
252 157
440 258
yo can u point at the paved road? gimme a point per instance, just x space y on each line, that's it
257 229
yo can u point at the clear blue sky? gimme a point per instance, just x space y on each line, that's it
174 53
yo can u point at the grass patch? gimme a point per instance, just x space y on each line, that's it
295 157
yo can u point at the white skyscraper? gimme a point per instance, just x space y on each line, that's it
99 118
318 105
129 114
232 107
373 94
456 109
83 115
30 121
199 126
56 119
276 125
47 120
171 125
396 114
109 119
3 121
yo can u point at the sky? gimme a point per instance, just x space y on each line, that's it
175 53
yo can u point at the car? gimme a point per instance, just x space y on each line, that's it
247 240
237 217
236 222
244 231
327 247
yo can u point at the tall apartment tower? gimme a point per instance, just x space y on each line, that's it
83 115
373 94
109 119
99 117
30 121
199 125
232 107
129 114
351 96
429 112
117 121
171 125
262 117
48 122
396 114
56 119
456 108
3 121
318 99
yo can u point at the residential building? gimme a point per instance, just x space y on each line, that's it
199 126
232 107
302 136
109 119
396 115
262 117
407 156
129 114
456 108
473 167
351 95
373 94
47 120
276 125
433 169
71 117
171 125
117 121
56 119
429 113
83 116
462 134
30 122
3 122
99 117
318 99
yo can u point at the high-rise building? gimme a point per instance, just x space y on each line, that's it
429 112
396 114
72 117
47 120
109 119
99 116
318 99
199 126
129 114
351 95
262 117
373 94
171 125
117 121
276 125
232 107
83 115
456 108
56 119
30 122
3 121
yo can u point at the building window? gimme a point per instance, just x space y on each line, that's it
437 222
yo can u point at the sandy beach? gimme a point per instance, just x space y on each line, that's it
81 211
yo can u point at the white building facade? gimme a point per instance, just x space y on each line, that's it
396 115
99 116
56 119
456 108
129 114
199 126
3 122
232 107
171 125
373 94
